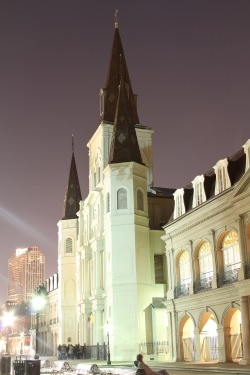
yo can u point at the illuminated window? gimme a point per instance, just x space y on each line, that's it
231 251
205 261
121 199
185 272
139 200
69 244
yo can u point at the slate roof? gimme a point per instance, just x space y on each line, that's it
124 145
117 66
73 193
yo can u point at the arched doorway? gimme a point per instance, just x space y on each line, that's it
187 347
233 338
208 337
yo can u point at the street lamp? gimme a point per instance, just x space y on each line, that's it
8 319
108 348
38 302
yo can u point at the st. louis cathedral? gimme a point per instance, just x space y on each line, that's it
154 265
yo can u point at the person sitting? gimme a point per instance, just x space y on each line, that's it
142 368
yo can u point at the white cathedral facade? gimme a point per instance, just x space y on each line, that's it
155 264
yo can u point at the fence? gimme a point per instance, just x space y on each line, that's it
154 347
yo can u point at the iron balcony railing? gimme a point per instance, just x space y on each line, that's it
227 277
203 284
182 290
247 271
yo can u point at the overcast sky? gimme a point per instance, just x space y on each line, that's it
188 62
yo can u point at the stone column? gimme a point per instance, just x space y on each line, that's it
244 302
169 266
242 248
191 258
197 344
221 343
215 260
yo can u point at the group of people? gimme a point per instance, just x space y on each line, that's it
143 369
70 351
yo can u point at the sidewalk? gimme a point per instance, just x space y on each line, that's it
226 368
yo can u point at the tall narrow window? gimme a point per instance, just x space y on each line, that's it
159 272
222 179
69 245
185 272
205 261
121 199
231 251
199 190
140 200
179 205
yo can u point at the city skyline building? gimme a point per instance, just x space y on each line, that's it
26 270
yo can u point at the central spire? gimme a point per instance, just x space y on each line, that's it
111 91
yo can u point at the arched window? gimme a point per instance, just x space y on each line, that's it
184 264
121 199
108 202
205 261
69 246
231 251
140 200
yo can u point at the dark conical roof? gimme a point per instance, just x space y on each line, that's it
124 145
73 193
116 63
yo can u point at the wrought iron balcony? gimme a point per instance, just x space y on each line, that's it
182 290
203 284
227 277
247 271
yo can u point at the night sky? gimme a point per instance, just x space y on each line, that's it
188 62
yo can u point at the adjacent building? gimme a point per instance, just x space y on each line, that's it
207 245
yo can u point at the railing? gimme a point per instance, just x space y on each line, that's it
203 285
247 271
182 290
154 347
227 277
95 351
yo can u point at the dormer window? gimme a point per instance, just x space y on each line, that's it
246 147
222 178
179 208
199 194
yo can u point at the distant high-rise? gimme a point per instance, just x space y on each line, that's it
26 270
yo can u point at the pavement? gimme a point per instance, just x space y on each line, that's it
172 367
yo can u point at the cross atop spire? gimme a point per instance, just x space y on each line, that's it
116 19
72 144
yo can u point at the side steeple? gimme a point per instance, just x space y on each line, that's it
73 193
109 94
124 145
